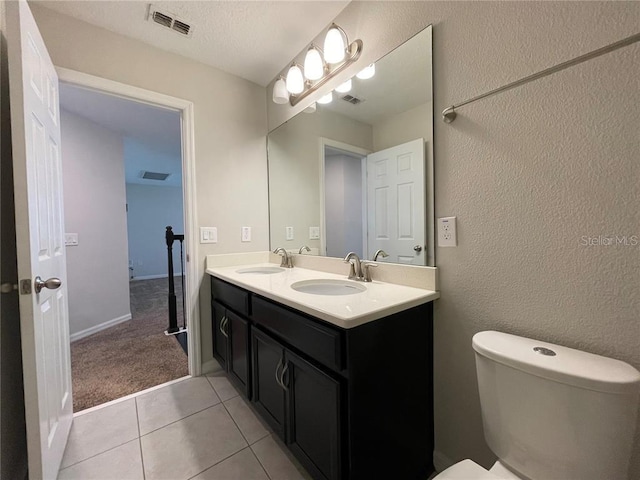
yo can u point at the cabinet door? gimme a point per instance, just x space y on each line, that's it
313 417
218 319
238 354
268 395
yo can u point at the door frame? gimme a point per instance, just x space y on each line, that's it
327 142
185 108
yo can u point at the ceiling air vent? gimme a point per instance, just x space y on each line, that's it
155 176
353 100
169 20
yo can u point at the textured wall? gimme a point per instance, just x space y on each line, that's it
94 208
528 174
230 130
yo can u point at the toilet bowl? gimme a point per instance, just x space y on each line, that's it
550 412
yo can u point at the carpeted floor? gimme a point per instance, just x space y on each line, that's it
132 356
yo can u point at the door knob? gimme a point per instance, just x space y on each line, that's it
51 283
417 248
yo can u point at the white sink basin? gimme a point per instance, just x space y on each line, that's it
328 287
261 270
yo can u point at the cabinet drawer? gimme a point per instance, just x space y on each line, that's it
319 342
230 295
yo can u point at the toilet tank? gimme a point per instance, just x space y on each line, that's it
552 412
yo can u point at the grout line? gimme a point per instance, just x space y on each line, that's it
235 423
93 456
258 458
219 462
180 419
144 475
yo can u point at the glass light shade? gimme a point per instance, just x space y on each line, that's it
313 66
280 93
310 109
367 72
345 87
334 46
295 81
328 98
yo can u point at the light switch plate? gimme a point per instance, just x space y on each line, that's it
71 239
447 232
246 234
289 233
314 233
208 235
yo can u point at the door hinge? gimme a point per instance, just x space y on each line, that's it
25 287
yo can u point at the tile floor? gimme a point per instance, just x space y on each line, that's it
197 428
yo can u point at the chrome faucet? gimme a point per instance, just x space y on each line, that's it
366 266
305 248
380 252
355 272
286 258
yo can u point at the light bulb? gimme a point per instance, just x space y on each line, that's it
313 66
367 72
345 87
280 93
334 45
328 98
295 81
310 109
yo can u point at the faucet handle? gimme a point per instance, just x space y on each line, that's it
366 273
352 270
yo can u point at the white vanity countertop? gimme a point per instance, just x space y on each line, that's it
346 311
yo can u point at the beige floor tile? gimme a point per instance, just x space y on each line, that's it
241 466
222 386
276 462
101 430
123 462
250 425
171 403
190 446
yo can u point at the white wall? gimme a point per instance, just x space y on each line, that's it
95 209
150 210
404 127
343 208
230 131
542 165
13 436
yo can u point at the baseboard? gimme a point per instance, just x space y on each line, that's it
210 367
98 328
441 461
152 277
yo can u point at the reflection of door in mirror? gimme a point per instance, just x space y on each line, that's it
396 203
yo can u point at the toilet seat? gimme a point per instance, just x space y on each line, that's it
466 470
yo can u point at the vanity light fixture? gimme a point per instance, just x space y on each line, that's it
367 72
345 87
280 93
328 98
320 66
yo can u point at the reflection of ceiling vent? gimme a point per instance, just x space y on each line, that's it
352 99
155 176
169 20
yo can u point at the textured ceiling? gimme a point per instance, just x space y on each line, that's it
251 39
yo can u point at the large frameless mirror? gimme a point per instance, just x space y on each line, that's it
356 174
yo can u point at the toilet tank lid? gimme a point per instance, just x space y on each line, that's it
569 366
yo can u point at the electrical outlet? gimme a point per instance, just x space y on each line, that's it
208 235
314 233
71 239
289 233
246 234
447 232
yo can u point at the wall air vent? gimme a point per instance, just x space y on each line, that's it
353 100
155 176
169 20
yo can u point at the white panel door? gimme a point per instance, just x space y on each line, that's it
396 203
44 321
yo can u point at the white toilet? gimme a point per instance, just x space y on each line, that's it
551 412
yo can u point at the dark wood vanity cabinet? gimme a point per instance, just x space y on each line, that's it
351 404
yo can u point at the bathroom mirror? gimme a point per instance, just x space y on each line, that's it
357 174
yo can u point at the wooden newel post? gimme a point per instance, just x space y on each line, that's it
173 312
